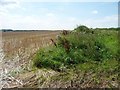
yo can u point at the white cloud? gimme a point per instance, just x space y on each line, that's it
7 5
108 21
27 22
72 19
3 10
35 22
47 22
50 14
95 12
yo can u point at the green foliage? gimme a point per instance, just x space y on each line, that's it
81 28
83 47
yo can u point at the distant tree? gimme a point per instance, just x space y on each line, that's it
7 30
82 28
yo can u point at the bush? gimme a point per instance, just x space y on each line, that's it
100 51
83 47
82 28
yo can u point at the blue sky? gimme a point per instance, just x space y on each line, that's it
57 15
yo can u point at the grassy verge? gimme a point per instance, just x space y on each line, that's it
90 53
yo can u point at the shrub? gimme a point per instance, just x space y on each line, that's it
100 51
82 28
83 47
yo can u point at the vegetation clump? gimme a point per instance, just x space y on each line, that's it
82 58
76 48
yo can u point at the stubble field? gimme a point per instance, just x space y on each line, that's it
17 50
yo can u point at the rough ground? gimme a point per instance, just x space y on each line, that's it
16 50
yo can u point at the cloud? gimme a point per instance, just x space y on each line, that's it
50 14
28 22
2 3
9 2
3 11
6 5
107 21
35 22
72 19
95 12
47 22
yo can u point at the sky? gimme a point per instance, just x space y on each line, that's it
38 15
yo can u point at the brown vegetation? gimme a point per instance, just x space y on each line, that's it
21 42
21 46
65 32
